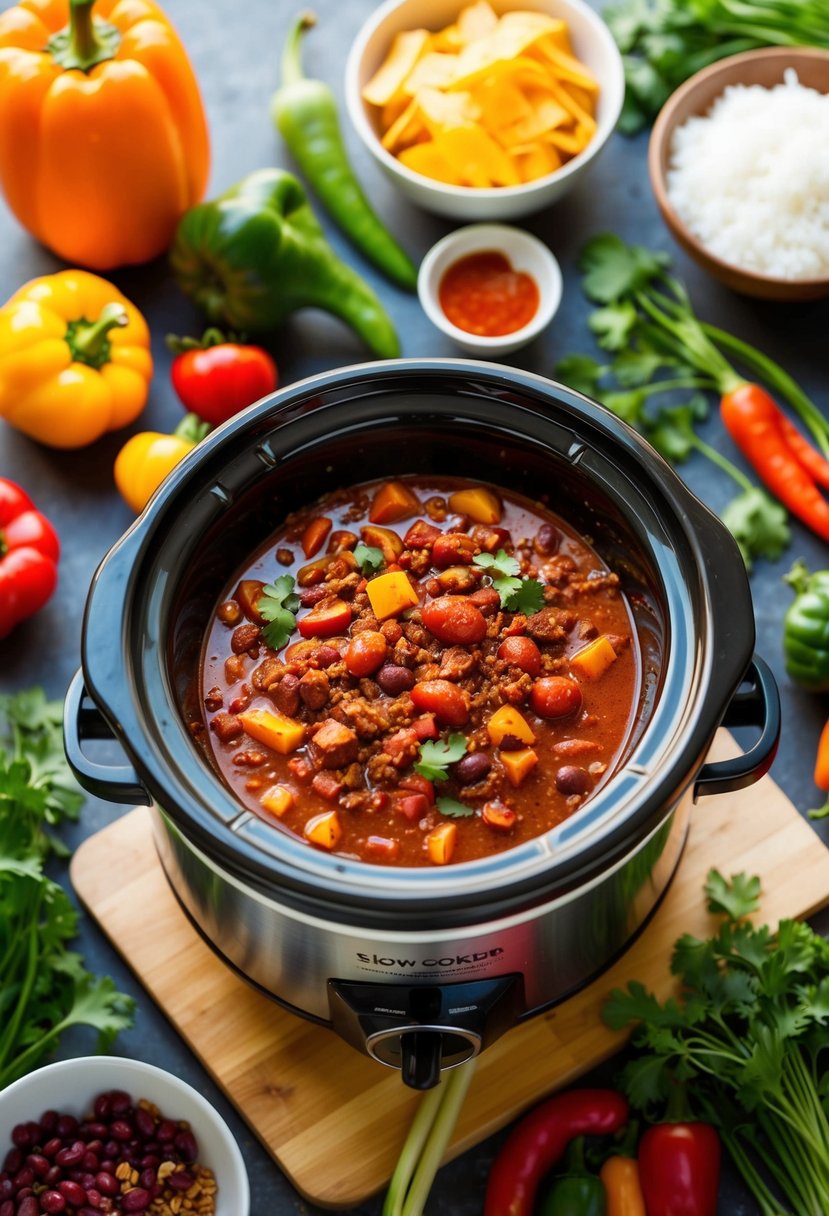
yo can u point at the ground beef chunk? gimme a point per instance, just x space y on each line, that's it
335 744
267 674
550 625
245 640
486 600
314 689
456 664
365 718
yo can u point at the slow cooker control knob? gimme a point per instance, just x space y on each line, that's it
421 1057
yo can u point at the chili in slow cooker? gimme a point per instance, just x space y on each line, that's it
417 672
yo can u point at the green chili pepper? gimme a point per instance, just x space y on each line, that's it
576 1193
806 629
255 254
305 113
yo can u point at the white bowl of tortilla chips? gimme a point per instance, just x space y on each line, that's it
484 110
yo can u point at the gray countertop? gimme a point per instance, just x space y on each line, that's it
235 49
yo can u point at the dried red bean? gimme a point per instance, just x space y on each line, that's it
144 1123
91 1161
185 1142
107 1184
112 1148
73 1192
120 1101
121 1130
103 1106
136 1200
66 1126
181 1180
13 1160
52 1146
97 1131
21 1137
39 1164
23 1178
166 1130
146 1179
49 1121
7 1208
6 1188
52 1201
94 1197
71 1155
29 1207
54 1175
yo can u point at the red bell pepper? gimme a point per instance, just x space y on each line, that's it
679 1169
29 552
539 1140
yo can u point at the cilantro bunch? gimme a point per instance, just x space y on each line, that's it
278 605
517 594
666 41
746 1041
662 361
44 987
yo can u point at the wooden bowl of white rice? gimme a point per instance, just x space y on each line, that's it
739 164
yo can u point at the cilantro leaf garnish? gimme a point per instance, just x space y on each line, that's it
437 754
278 605
368 558
517 594
529 597
453 809
758 524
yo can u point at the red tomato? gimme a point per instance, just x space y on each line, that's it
366 652
325 620
442 698
555 697
521 652
216 382
452 619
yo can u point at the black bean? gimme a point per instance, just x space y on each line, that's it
472 768
394 680
570 779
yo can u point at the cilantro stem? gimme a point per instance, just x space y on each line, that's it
25 991
722 462
769 1206
699 351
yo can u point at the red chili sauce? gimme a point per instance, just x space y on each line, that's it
482 294
407 651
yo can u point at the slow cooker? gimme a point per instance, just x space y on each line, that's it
421 968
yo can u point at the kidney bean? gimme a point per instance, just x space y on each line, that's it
53 1175
394 679
28 1206
66 1126
48 1122
24 1178
147 1179
454 620
102 1107
38 1163
166 1131
52 1201
90 1161
180 1180
73 1192
96 1132
7 1208
453 549
94 1197
444 699
486 600
185 1142
366 652
112 1148
570 779
136 1200
309 596
521 652
547 540
472 768
52 1146
6 1188
285 695
555 697
21 1136
121 1130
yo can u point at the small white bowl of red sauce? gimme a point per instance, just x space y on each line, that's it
491 288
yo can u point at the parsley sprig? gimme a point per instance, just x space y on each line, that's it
662 361
517 594
44 986
745 1041
454 809
437 754
278 605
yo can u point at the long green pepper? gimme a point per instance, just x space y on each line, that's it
305 113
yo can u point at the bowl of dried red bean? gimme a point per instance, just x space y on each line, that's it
102 1135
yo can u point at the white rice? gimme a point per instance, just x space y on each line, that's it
751 179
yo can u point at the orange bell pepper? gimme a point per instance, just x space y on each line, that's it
103 136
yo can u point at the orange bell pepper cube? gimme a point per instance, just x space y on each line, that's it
315 534
594 659
480 504
275 730
508 721
277 800
393 501
440 843
519 764
390 594
325 830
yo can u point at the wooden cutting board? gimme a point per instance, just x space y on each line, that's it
314 1102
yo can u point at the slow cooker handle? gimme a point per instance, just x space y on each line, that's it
83 721
756 703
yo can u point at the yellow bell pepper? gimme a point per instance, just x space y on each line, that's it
146 459
74 359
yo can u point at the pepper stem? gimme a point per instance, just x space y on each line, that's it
192 429
88 340
84 42
291 56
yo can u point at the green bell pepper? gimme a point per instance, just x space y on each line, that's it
806 629
251 257
578 1192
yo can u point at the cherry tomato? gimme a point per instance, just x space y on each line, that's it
521 652
452 619
442 698
555 697
366 652
216 382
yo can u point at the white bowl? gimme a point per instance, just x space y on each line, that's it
523 251
592 43
70 1087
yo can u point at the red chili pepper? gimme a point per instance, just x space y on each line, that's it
754 423
679 1169
29 552
536 1143
216 378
